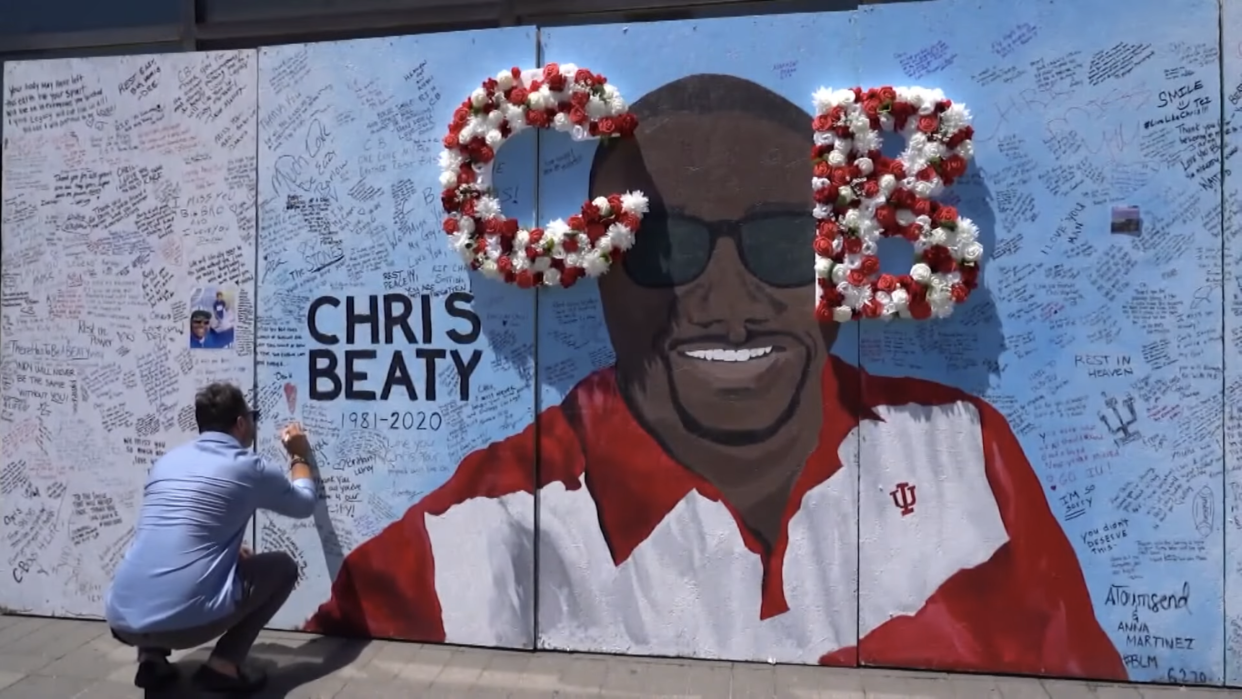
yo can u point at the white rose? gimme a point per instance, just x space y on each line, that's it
551 277
478 98
921 273
839 273
823 267
971 252
504 80
842 314
923 189
494 138
899 298
561 122
448 179
836 159
601 203
865 166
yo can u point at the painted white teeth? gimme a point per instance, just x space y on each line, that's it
729 355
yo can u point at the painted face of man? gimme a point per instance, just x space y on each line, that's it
712 311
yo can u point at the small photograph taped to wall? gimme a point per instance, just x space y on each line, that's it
1127 220
213 315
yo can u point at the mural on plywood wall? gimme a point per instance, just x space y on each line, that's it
721 471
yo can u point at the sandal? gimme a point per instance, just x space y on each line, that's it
245 682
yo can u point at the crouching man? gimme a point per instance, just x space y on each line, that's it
186 578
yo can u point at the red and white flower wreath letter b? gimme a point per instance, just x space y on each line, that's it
861 196
562 97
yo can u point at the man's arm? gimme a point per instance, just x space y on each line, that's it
1045 576
296 495
293 495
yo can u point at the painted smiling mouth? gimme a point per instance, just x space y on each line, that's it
729 355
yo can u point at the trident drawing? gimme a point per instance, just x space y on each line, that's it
1121 433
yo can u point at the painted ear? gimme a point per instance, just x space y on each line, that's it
566 98
861 195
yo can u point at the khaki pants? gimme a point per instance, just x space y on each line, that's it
267 580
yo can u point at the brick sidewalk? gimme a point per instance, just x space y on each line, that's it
62 659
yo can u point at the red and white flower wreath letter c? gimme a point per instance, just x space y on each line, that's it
562 97
861 196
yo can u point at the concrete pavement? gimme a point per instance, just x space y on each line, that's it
65 659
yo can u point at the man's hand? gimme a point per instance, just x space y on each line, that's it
244 553
295 441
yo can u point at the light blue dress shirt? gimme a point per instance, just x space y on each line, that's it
180 570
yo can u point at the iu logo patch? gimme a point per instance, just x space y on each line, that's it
904 498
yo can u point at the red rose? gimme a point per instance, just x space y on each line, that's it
483 154
907 282
853 246
886 215
821 123
835 114
911 232
629 220
557 83
525 279
927 174
840 176
954 166
823 312
578 116
920 309
872 309
460 116
579 99
959 292
590 212
518 95
821 169
928 123
856 277
600 80
535 118
510 226
827 229
946 214
871 188
532 252
886 282
970 276
570 275
871 107
943 105
494 226
516 73
896 169
550 70
825 195
921 207
450 141
595 231
823 247
870 265
887 94
577 223
614 203
584 76
504 264
535 236
448 200
607 126
490 85
627 123
465 175
467 207
570 243
450 225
